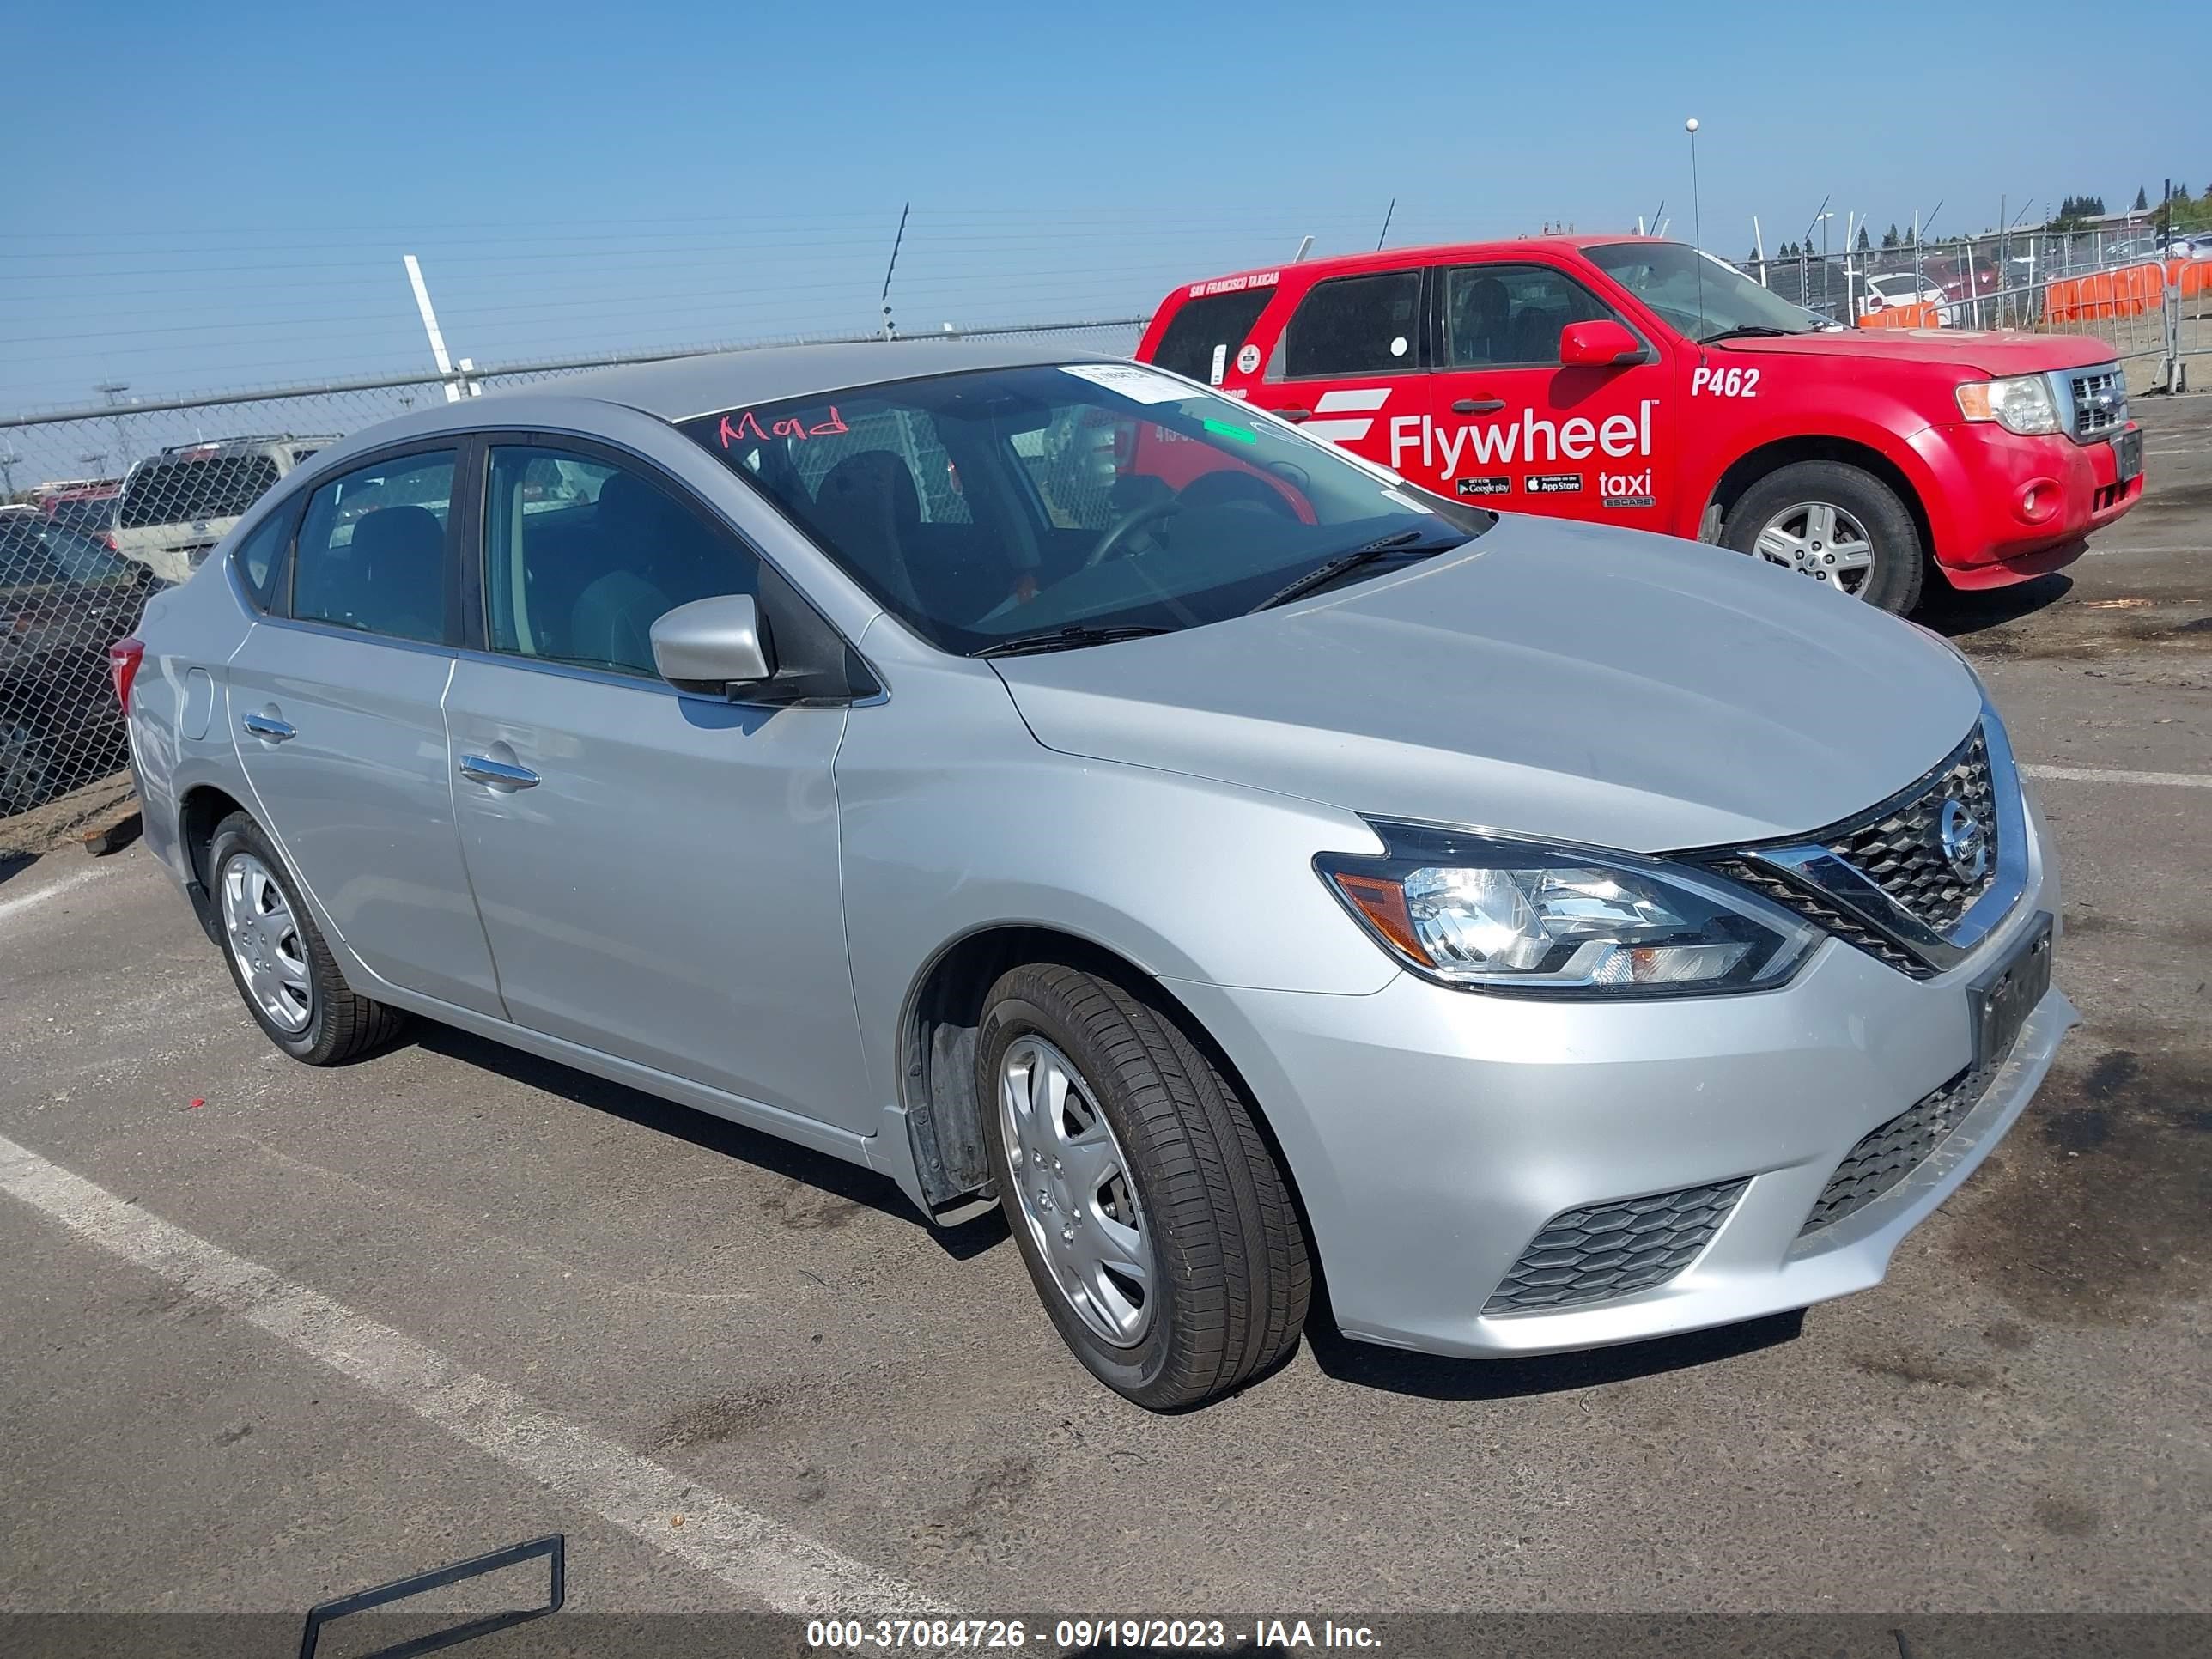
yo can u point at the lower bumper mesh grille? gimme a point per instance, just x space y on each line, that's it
1606 1250
1895 1149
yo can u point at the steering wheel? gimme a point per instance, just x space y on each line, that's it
1236 490
1118 533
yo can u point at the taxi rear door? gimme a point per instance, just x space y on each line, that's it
1349 360
1510 426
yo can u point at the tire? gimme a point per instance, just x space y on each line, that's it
1229 1276
26 771
1855 497
296 992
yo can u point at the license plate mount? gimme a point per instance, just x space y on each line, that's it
1999 1002
2127 450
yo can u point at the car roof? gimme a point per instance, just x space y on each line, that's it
1393 258
681 387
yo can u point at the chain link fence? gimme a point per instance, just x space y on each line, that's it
1845 285
103 507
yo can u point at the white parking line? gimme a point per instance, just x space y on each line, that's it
2109 775
11 907
761 1559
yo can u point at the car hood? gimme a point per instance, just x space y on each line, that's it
1574 682
1987 351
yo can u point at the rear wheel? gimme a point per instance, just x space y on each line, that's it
278 959
1834 524
26 770
1145 1202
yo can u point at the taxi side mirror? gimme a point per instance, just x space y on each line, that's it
1602 344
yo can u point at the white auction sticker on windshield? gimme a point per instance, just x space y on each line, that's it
1138 385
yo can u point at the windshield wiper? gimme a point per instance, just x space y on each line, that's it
1404 541
1070 637
1752 332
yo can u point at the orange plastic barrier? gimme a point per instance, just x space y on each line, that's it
2129 292
1912 316
2192 276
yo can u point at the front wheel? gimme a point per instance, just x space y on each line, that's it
1145 1202
1835 524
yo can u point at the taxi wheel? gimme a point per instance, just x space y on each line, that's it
1147 1205
1835 524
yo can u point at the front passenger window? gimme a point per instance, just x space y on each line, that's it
1499 316
372 550
583 557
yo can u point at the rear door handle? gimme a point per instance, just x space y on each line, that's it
269 729
483 769
1478 405
1296 414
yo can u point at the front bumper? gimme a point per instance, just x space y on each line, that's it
2007 508
1433 1132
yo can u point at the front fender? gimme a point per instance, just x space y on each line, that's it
1890 427
953 819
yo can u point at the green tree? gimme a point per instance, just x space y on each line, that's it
2142 199
1889 236
1866 242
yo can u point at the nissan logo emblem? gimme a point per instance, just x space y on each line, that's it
1965 842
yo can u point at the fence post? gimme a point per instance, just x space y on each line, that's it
2173 372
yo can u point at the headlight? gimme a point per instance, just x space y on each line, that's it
1488 914
2021 404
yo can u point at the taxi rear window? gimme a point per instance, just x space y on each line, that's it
1216 322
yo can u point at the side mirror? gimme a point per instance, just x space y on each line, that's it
714 644
1602 344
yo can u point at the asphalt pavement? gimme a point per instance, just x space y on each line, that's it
274 1335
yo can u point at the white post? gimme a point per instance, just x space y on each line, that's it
430 327
1305 248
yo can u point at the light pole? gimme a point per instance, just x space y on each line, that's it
114 391
1697 219
7 459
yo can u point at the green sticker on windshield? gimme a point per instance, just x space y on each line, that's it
1243 434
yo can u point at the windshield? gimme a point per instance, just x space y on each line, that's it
1000 504
1699 295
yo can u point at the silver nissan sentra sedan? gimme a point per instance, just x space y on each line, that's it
1059 786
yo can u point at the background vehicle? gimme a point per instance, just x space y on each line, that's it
1635 381
63 597
177 505
85 505
1070 839
1900 289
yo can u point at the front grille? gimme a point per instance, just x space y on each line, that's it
1607 1250
1901 851
2101 403
1897 1148
1821 913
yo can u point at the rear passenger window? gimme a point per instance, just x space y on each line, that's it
1500 314
260 554
372 550
584 557
1209 330
1355 325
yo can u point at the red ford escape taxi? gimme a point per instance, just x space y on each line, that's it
1638 382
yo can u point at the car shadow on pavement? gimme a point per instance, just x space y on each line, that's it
1952 613
1430 1377
12 866
832 1176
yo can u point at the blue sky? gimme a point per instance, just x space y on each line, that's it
216 196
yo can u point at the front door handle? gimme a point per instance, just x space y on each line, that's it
1296 414
483 769
1478 405
268 728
